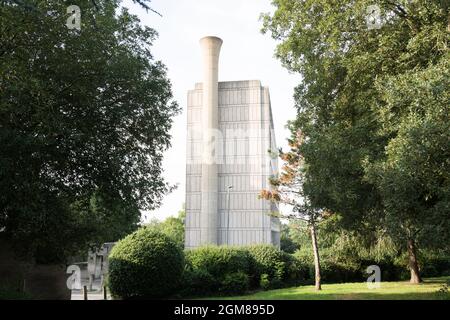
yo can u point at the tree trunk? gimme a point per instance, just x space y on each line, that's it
316 256
413 263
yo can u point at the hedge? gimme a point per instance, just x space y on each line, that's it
218 261
235 283
198 282
267 259
232 270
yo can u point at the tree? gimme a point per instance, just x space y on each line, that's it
84 121
172 227
413 179
288 189
344 98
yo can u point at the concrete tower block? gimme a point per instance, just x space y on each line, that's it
210 125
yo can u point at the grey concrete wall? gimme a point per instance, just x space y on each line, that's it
246 129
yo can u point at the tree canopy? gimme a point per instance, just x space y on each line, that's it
373 106
84 121
173 227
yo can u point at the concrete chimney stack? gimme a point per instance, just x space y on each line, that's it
210 125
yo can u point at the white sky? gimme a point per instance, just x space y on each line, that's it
246 55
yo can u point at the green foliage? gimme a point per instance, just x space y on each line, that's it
295 272
434 264
267 259
197 282
145 264
222 269
85 119
7 293
264 281
373 107
235 283
345 255
216 269
413 178
286 242
173 227
339 271
219 261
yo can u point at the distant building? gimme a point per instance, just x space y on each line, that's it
230 133
98 264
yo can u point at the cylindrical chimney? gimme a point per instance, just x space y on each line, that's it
210 126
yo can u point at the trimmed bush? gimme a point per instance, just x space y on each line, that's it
219 261
266 259
145 264
295 272
233 270
198 282
235 283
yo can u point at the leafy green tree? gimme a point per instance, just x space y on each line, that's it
352 114
172 227
84 121
413 179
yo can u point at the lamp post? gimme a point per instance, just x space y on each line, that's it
228 214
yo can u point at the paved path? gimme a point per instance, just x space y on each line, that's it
96 294
93 295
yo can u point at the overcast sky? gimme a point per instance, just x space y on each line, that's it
246 55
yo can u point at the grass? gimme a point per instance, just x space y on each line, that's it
355 291
7 293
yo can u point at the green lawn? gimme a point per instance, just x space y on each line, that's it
354 291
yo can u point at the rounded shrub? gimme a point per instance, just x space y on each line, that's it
145 264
